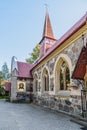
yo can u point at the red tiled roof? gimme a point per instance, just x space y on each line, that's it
59 42
8 86
24 70
80 69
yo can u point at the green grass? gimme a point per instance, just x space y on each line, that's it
4 97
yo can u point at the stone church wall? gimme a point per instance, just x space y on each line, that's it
68 103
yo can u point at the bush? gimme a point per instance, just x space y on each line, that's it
2 91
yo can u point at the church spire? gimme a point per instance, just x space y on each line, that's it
48 39
47 31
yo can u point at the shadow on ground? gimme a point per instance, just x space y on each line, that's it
83 128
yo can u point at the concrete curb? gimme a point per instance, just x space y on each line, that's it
79 122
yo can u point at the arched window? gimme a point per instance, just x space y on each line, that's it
64 76
35 87
45 80
62 71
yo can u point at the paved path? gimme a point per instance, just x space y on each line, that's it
31 117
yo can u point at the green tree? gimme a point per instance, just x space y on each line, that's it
1 78
34 55
5 72
2 90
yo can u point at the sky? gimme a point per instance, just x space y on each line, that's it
22 21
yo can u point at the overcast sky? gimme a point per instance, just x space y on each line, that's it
21 24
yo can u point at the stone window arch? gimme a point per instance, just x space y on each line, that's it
62 73
35 86
45 80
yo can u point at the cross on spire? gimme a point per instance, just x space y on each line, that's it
46 6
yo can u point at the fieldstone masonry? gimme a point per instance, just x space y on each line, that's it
67 103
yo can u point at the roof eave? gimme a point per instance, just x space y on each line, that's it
24 77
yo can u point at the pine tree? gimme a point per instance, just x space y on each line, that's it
5 71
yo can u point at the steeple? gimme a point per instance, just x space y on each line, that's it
47 31
48 39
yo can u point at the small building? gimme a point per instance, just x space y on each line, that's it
21 80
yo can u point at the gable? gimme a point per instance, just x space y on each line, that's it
80 69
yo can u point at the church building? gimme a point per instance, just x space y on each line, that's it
53 76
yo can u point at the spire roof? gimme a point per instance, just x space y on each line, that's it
48 32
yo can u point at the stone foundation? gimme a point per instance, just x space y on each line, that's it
70 105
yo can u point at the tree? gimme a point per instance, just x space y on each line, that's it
2 90
1 78
34 55
5 72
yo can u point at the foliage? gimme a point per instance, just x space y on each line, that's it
1 75
1 78
4 75
2 91
34 55
5 72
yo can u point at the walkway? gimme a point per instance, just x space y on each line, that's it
31 117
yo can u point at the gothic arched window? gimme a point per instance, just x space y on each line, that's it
64 76
35 83
45 80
